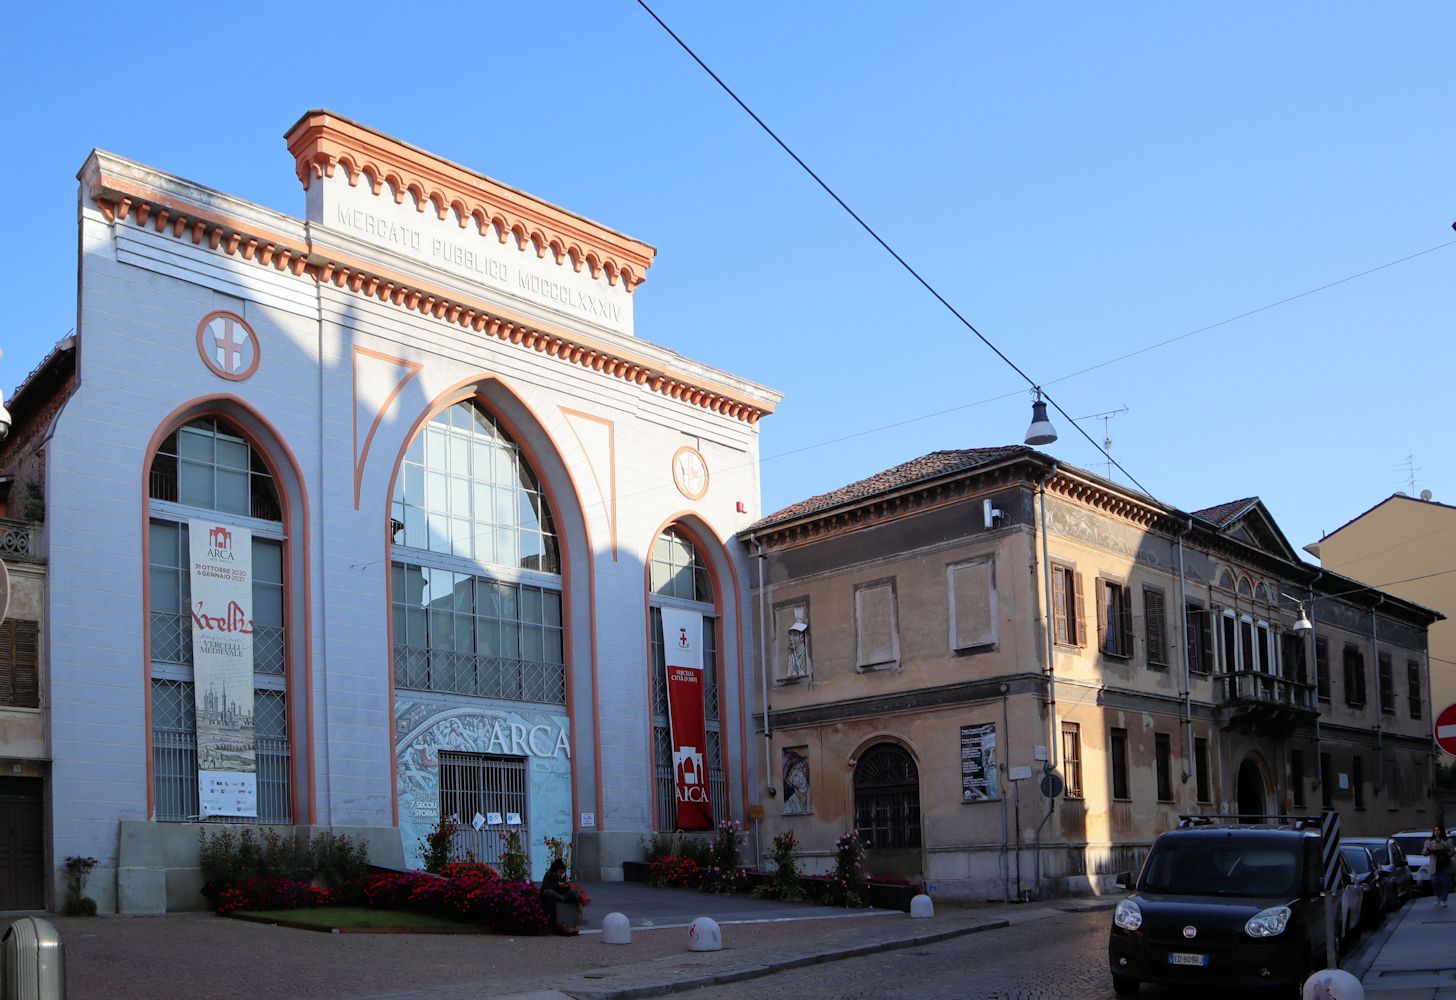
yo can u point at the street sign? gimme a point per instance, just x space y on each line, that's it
1446 730
1052 784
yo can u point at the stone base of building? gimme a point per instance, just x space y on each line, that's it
599 854
158 868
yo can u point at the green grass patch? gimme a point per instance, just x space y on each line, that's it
347 918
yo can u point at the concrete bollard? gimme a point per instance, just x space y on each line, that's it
705 935
921 907
1333 984
616 929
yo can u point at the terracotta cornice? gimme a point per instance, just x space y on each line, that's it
123 200
321 142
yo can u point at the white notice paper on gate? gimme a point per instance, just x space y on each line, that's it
221 558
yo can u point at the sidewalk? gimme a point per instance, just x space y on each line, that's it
1414 956
202 956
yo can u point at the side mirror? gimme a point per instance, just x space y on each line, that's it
1124 880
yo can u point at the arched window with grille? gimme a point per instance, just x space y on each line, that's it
208 468
887 798
476 599
679 578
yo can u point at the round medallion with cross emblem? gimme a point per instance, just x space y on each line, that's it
228 346
690 473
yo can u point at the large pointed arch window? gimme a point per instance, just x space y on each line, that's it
207 468
680 579
476 566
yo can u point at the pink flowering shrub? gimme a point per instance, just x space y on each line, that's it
271 894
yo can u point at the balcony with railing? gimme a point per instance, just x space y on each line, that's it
20 541
1253 701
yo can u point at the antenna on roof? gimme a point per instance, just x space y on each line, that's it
1410 468
1106 419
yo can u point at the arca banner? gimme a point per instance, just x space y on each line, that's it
682 642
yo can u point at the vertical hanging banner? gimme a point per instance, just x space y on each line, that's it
221 559
682 641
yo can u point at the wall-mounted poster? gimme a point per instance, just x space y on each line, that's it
221 560
682 642
980 776
796 781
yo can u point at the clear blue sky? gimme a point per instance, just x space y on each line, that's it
1080 180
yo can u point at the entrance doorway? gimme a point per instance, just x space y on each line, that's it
1252 800
887 809
22 851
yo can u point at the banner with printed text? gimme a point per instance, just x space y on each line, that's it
682 641
221 558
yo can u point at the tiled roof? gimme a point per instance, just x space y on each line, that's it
927 467
1222 514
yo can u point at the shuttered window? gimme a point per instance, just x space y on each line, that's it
1354 676
1200 638
20 664
1071 629
1322 667
1114 619
1386 681
1155 623
1413 686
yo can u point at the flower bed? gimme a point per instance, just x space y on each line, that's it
467 892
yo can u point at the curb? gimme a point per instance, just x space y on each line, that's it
750 970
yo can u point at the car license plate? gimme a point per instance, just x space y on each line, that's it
1184 958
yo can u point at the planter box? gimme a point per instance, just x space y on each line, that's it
635 871
891 897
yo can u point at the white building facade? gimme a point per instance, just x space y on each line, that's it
468 490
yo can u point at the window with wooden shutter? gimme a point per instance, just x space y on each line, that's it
1413 687
1386 680
20 663
1322 667
1062 603
1354 677
877 639
1114 619
1079 612
972 587
1199 624
1155 624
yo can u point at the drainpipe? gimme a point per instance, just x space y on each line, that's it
1187 669
763 676
1005 832
1054 738
1313 660
1379 696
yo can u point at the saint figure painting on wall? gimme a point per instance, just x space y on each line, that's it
796 781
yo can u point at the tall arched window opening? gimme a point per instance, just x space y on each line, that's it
208 468
476 598
887 798
679 579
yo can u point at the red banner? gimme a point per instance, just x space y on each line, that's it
682 633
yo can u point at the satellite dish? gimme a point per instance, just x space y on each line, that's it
1402 493
1425 494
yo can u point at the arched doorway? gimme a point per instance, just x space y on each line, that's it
887 808
1252 799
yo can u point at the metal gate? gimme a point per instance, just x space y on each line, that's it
472 783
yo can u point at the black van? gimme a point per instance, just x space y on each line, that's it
1222 906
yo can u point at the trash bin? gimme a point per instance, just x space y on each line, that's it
32 966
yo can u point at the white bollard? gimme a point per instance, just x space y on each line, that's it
616 929
1333 984
921 907
705 935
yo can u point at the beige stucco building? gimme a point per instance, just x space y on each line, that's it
1407 547
907 619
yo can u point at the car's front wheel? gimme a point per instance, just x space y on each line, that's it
1125 986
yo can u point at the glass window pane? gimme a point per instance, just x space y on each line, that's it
660 577
510 641
505 507
459 455
460 532
532 646
166 596
505 546
396 583
459 496
482 422
462 593
164 538
530 511
414 628
414 485
416 452
504 472
232 492
551 607
232 454
194 485
552 653
442 630
435 448
530 550
550 558
415 532
439 533
267 561
195 443
401 629
480 460
531 605
267 605
507 594
437 492
464 633
460 418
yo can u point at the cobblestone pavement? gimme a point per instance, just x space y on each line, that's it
1061 956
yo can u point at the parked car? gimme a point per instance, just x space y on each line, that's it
1413 842
1399 882
1222 906
1368 877
1349 907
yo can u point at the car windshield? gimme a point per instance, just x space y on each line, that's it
1381 852
1412 843
1183 867
1359 860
